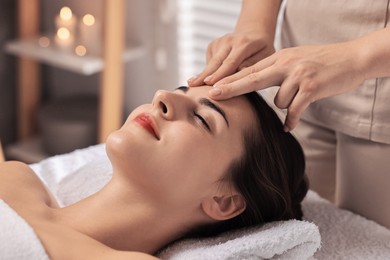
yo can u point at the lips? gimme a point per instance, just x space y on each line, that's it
148 124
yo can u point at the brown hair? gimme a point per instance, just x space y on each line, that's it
269 175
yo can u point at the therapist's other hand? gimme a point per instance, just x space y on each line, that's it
305 74
231 53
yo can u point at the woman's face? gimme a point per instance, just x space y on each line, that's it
181 145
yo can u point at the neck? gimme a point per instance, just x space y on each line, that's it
123 218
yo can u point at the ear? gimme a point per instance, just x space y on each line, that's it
223 207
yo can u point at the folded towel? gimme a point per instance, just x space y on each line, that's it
17 238
291 239
345 235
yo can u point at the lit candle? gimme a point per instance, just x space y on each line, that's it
64 39
66 19
90 34
66 28
80 50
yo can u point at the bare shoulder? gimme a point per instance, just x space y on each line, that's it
65 243
16 165
18 181
13 172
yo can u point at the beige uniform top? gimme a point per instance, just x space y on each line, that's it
364 112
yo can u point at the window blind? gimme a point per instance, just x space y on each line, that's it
200 22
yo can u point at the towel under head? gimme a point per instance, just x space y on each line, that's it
291 239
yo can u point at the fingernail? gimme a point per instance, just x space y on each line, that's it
192 78
215 92
285 129
209 78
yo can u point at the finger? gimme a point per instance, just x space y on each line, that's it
259 66
253 59
228 66
286 93
295 110
253 81
195 81
209 53
232 62
213 64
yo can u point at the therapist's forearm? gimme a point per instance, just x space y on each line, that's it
260 15
374 54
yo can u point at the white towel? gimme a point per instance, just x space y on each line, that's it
291 239
17 238
73 176
346 235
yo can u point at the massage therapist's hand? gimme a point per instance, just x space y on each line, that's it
233 52
305 74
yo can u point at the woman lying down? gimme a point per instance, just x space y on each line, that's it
182 166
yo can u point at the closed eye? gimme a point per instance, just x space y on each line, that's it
203 121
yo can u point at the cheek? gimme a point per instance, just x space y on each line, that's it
192 159
187 146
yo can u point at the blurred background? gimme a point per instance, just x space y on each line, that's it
61 77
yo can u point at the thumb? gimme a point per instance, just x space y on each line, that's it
294 111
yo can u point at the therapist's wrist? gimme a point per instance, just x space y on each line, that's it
260 16
373 54
358 59
257 33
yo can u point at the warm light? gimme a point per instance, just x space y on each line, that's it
44 42
89 20
66 13
63 33
80 50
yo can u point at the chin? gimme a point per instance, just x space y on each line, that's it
111 143
124 149
116 144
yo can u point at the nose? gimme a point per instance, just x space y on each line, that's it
169 105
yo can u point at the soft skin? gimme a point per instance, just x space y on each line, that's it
184 141
161 187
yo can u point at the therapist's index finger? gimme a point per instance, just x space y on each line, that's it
201 78
224 88
250 82
229 66
230 90
214 62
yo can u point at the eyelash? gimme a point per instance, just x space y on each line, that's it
204 122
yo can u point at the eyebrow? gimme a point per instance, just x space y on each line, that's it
215 107
208 103
183 88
